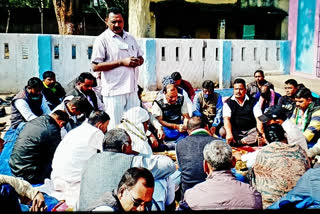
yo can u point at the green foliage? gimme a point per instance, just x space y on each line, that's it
26 3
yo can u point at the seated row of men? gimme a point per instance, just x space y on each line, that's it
98 186
64 161
237 118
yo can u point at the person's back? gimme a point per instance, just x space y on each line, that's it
278 166
189 154
221 190
33 151
103 170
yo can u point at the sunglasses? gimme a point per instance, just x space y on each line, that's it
138 202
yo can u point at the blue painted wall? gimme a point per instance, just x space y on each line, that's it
285 56
150 75
305 48
226 66
45 54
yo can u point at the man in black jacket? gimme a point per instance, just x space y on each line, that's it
35 146
82 86
52 90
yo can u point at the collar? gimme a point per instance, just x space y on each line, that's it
112 34
220 173
245 98
199 131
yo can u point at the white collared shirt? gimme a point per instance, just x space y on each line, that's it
109 46
226 111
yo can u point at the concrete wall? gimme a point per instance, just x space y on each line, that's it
304 35
196 59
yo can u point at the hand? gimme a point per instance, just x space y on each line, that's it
212 130
154 142
161 134
229 138
130 62
182 128
38 203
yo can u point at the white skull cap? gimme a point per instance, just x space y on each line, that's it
136 115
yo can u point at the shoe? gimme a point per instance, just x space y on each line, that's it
4 103
9 98
2 128
2 124
2 111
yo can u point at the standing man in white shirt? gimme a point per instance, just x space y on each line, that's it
117 56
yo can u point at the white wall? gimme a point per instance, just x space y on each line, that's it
15 71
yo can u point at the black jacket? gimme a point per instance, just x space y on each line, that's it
34 148
54 98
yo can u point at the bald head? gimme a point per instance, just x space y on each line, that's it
194 123
171 94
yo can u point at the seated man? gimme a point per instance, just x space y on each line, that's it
288 101
185 85
13 189
254 87
189 153
33 151
104 170
169 109
239 121
277 114
208 105
72 154
29 103
74 106
221 190
155 138
135 122
306 115
52 91
134 193
278 166
83 88
265 99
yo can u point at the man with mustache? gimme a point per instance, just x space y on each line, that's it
82 86
117 55
239 120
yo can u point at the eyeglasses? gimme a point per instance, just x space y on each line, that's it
138 202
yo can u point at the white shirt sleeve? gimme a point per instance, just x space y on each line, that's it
100 104
257 110
98 51
24 109
187 104
161 166
156 110
226 111
44 106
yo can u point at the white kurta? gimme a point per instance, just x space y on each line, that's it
71 155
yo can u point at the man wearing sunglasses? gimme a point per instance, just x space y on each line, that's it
134 193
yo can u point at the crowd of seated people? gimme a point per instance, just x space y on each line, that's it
60 153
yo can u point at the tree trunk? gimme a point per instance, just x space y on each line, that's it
139 18
8 21
67 16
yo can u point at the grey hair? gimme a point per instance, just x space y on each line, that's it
218 154
114 139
